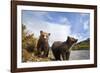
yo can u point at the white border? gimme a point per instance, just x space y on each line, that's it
56 63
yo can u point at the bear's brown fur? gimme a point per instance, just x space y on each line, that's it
63 48
43 45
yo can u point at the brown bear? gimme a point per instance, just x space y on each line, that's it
63 48
43 45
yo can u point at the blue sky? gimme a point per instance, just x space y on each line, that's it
59 24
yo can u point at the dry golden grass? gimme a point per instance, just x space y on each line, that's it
26 55
30 57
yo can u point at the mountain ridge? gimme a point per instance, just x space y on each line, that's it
83 45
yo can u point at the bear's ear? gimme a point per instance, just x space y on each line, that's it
76 40
49 34
68 37
41 32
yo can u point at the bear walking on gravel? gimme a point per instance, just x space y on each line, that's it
43 45
63 48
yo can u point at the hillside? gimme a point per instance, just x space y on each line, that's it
83 45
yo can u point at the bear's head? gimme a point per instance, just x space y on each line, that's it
71 40
44 36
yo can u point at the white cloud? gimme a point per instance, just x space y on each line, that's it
84 14
49 17
86 25
39 13
78 36
64 20
59 32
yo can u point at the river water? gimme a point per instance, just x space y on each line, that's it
80 55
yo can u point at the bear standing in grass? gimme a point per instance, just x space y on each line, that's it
43 45
63 48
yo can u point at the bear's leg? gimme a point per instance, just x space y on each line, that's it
45 52
39 52
63 55
67 55
56 54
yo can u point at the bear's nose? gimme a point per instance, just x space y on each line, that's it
45 37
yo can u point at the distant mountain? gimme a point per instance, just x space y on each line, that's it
83 45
